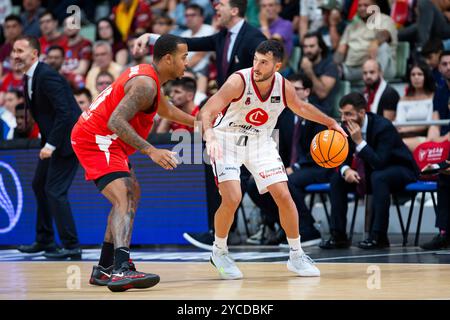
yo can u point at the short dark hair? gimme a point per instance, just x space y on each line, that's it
17 93
443 54
241 5
432 46
320 41
13 17
85 91
186 83
56 47
20 106
195 7
166 44
355 99
33 42
48 12
104 73
303 78
274 46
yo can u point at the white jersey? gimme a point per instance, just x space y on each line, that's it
250 115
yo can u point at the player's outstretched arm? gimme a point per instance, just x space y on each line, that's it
140 93
308 111
168 111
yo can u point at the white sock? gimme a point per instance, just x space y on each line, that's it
295 246
220 243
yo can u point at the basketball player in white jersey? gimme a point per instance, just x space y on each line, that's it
245 110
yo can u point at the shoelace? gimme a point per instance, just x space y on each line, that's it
226 257
307 259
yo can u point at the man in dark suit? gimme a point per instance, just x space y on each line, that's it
295 136
378 163
53 107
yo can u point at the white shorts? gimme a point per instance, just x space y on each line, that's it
261 158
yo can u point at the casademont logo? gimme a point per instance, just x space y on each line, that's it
11 201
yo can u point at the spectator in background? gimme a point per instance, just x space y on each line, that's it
13 80
12 29
378 163
50 34
182 93
163 24
107 31
25 129
333 24
200 97
103 81
310 17
198 61
441 109
382 98
431 51
361 41
320 68
8 113
138 57
416 105
177 9
103 61
132 16
30 17
55 59
84 98
5 10
275 27
79 50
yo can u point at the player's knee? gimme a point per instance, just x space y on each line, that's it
232 200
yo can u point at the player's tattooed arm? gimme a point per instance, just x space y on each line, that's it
140 93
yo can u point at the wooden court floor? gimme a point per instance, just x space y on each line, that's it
186 281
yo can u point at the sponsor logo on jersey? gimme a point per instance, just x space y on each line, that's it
244 128
247 102
257 117
272 172
276 99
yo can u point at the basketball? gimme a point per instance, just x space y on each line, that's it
329 148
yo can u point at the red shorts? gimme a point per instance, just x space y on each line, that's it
98 155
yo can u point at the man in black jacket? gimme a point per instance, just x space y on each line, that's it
378 163
53 107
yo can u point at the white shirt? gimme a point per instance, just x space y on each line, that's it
30 74
234 32
204 31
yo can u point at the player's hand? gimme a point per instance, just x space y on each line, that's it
214 150
337 127
351 176
164 158
141 44
45 153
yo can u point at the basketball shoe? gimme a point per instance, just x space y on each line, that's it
227 268
302 265
126 277
100 276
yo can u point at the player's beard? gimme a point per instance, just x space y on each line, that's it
264 77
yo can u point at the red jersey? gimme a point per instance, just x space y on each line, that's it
11 83
94 121
175 126
81 50
61 41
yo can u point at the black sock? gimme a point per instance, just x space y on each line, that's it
121 255
107 255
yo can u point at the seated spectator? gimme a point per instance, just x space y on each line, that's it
26 127
382 98
137 57
200 96
378 163
107 31
103 61
442 239
431 51
30 17
320 68
8 113
295 136
12 29
432 18
178 7
310 17
55 58
50 34
132 16
198 61
441 107
333 24
163 24
182 93
103 81
13 80
416 105
275 27
361 41
79 50
84 98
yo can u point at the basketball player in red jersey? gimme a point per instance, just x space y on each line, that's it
115 126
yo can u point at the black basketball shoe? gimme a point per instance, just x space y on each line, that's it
100 276
126 277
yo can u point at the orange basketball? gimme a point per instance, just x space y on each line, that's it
329 148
